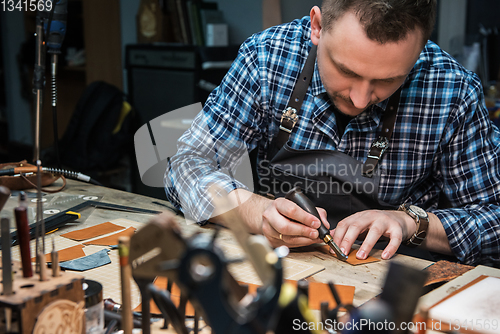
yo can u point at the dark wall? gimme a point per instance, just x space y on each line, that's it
486 12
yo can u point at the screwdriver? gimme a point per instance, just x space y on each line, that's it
298 197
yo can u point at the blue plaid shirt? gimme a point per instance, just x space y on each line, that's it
443 140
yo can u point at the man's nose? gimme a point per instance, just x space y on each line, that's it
361 93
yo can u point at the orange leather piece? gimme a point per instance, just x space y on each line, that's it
112 239
352 260
66 254
92 232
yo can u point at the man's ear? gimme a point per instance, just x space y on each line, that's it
315 24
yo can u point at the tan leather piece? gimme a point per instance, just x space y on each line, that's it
352 260
92 232
66 254
112 239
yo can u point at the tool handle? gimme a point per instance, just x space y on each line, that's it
298 197
4 196
17 170
23 236
7 172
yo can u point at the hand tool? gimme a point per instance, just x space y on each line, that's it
23 235
54 259
4 196
32 169
6 269
40 226
298 197
6 258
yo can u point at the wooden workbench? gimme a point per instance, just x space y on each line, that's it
367 279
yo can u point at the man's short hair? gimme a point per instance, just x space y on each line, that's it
384 20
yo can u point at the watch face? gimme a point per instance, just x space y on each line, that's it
418 211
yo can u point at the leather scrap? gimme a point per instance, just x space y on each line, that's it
88 262
93 231
352 260
444 271
112 239
66 254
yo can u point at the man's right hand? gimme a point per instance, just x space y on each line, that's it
281 221
285 223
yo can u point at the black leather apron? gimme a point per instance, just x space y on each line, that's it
333 180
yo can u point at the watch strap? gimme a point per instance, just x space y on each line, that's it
422 226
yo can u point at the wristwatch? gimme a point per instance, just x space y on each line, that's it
421 219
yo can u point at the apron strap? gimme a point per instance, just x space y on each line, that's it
382 142
290 117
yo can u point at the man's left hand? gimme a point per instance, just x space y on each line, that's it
395 225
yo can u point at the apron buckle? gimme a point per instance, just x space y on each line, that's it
378 148
289 119
374 155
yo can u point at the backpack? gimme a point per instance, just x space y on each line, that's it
100 130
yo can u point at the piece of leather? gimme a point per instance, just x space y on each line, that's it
444 271
112 239
66 254
88 262
92 232
318 293
352 260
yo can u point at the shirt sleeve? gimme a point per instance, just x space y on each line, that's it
471 161
215 148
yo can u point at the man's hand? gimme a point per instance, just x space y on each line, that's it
281 221
395 225
285 223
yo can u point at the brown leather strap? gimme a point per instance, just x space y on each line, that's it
50 191
289 117
382 142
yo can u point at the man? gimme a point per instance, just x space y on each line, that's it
440 143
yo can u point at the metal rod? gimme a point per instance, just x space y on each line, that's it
39 83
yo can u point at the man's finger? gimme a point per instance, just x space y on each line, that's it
294 212
366 247
392 247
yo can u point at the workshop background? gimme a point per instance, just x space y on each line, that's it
160 55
